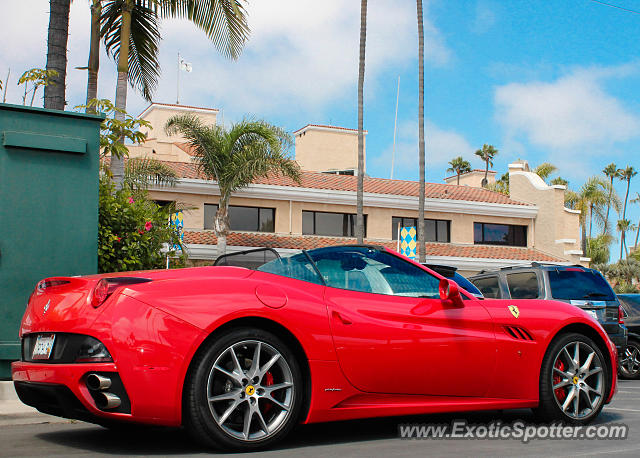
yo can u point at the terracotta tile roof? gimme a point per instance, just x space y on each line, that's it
317 180
328 127
307 242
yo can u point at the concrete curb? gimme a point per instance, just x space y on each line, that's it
7 392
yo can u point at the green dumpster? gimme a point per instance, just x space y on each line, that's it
48 207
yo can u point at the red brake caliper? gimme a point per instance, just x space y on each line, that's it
561 394
268 381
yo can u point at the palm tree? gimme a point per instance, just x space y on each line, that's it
360 186
131 35
459 166
590 200
636 200
421 189
559 181
598 249
623 226
54 94
611 171
625 175
234 158
93 63
544 170
487 153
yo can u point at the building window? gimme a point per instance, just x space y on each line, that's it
437 230
499 234
254 219
334 224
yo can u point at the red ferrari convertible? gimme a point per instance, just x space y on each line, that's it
240 356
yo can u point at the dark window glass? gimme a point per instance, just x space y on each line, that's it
373 271
241 218
209 215
465 284
523 285
297 266
333 224
576 283
443 230
267 221
488 286
499 234
437 230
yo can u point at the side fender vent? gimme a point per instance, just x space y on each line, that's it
518 333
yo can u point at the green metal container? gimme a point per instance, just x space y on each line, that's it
48 207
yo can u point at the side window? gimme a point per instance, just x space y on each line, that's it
523 285
488 286
297 266
373 271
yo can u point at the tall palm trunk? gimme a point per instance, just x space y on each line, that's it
590 219
54 93
623 241
93 64
584 236
421 190
117 163
458 181
360 190
635 245
221 223
606 221
485 180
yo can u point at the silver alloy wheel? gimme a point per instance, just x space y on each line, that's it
630 361
250 390
577 379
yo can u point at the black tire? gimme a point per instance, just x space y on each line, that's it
630 361
211 424
576 380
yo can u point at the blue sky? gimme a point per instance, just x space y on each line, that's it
553 80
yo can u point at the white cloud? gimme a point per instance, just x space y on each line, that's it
573 111
302 55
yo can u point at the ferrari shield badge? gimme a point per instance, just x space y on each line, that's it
514 310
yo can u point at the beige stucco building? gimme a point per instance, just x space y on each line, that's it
469 227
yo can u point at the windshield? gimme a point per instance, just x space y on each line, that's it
577 283
466 284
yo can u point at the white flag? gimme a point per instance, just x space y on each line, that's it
186 66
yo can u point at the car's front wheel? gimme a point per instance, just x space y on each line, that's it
573 380
630 360
245 392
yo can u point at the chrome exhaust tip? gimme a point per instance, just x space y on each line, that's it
106 401
97 382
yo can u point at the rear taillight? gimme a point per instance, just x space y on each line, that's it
620 315
100 293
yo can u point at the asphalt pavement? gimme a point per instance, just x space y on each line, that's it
48 436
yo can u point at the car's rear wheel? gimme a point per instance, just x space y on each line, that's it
573 380
245 391
630 360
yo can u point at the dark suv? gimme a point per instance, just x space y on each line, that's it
580 286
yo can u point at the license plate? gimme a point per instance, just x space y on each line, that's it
43 347
593 314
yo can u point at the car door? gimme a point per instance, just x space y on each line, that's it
393 334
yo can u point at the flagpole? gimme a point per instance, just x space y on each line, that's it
395 128
178 80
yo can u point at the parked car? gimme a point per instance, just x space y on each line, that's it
451 272
239 357
577 285
630 357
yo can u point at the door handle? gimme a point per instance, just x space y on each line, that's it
341 318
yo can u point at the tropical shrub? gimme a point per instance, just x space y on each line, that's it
131 231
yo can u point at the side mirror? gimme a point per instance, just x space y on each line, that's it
449 291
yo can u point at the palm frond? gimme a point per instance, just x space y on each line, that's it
224 21
144 66
141 173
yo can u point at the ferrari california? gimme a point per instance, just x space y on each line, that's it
239 357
